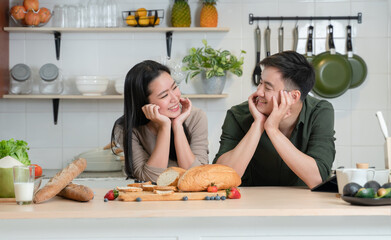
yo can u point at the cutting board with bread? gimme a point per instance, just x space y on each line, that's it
178 184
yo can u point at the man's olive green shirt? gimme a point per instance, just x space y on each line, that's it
312 135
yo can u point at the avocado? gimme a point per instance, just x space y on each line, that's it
372 184
351 189
365 193
386 185
384 193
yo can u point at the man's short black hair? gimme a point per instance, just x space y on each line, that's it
296 71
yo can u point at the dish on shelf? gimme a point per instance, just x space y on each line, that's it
91 85
119 86
143 17
22 22
367 201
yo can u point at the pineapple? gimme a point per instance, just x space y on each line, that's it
180 14
209 15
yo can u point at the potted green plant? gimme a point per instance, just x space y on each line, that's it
213 65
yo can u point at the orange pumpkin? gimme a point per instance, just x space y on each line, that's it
31 4
32 18
44 15
18 12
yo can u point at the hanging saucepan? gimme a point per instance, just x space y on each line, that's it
359 67
333 72
309 55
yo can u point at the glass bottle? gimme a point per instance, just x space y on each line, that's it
50 79
20 79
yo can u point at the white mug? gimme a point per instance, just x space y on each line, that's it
348 175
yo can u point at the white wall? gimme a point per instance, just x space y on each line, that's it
86 124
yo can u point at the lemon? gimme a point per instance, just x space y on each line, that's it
131 20
141 12
143 21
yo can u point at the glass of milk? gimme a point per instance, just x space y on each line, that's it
24 184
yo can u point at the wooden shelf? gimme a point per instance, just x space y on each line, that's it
57 31
193 96
120 29
56 98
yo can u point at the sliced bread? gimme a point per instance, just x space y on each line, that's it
170 176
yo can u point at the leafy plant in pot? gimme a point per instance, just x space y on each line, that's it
213 66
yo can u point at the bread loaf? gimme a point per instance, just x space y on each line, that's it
77 192
60 180
200 177
170 176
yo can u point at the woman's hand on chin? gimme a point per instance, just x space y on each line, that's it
152 113
185 112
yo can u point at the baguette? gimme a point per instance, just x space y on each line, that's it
199 178
60 180
77 192
170 176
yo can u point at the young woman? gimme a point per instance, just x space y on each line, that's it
159 129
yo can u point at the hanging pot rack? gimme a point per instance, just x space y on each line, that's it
252 18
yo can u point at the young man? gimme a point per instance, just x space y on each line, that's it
280 136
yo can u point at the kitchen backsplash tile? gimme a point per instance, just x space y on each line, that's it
49 158
86 124
13 125
342 133
80 129
38 123
365 128
343 157
372 94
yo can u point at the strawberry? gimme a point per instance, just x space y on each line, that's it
233 193
112 194
212 188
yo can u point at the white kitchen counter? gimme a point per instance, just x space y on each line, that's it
262 212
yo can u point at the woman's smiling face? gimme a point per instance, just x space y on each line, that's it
165 94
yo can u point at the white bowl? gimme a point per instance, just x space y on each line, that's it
91 85
119 87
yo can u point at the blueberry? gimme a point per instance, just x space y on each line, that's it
185 198
212 198
217 197
106 200
223 198
207 198
138 199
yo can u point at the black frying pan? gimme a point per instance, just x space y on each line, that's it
359 67
333 72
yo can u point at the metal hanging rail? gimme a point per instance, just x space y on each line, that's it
358 18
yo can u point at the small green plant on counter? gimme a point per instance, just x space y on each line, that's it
212 62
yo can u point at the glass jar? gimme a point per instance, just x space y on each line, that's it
50 79
20 79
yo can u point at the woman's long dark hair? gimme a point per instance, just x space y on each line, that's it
136 95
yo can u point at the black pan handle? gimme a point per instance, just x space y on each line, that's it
331 38
349 46
309 40
267 41
258 42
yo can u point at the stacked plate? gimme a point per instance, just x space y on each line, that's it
99 160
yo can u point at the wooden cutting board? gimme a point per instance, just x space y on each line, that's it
7 200
176 196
